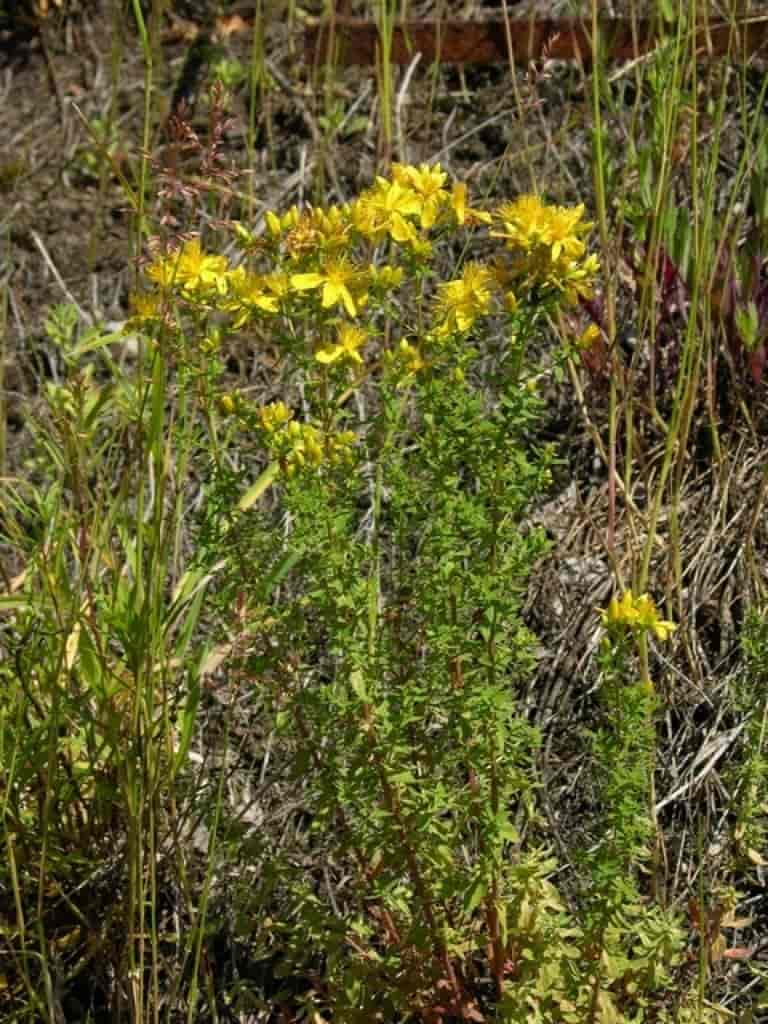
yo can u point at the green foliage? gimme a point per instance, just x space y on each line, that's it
396 703
385 638
749 690
98 662
369 585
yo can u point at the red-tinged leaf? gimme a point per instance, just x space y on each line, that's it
756 362
667 271
738 953
672 285
695 913
594 307
595 359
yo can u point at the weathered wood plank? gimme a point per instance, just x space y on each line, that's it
492 41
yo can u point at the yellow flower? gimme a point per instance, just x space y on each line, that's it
277 225
191 270
463 213
528 223
274 227
386 277
460 302
317 230
382 210
637 613
278 283
349 340
163 270
333 226
146 309
339 446
428 184
275 416
304 446
577 279
410 356
338 279
251 291
547 246
588 337
404 233
663 628
648 618
565 226
620 610
302 239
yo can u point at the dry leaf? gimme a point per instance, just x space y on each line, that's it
230 25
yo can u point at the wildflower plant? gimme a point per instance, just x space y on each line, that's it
382 628
634 943
366 523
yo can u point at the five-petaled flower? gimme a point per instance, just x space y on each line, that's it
460 302
427 182
348 340
342 284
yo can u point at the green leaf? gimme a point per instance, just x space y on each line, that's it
258 488
475 894
357 682
188 719
93 340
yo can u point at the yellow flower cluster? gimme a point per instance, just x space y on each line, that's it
274 416
545 249
548 246
311 231
312 251
415 199
301 445
320 267
459 303
637 613
251 294
195 273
